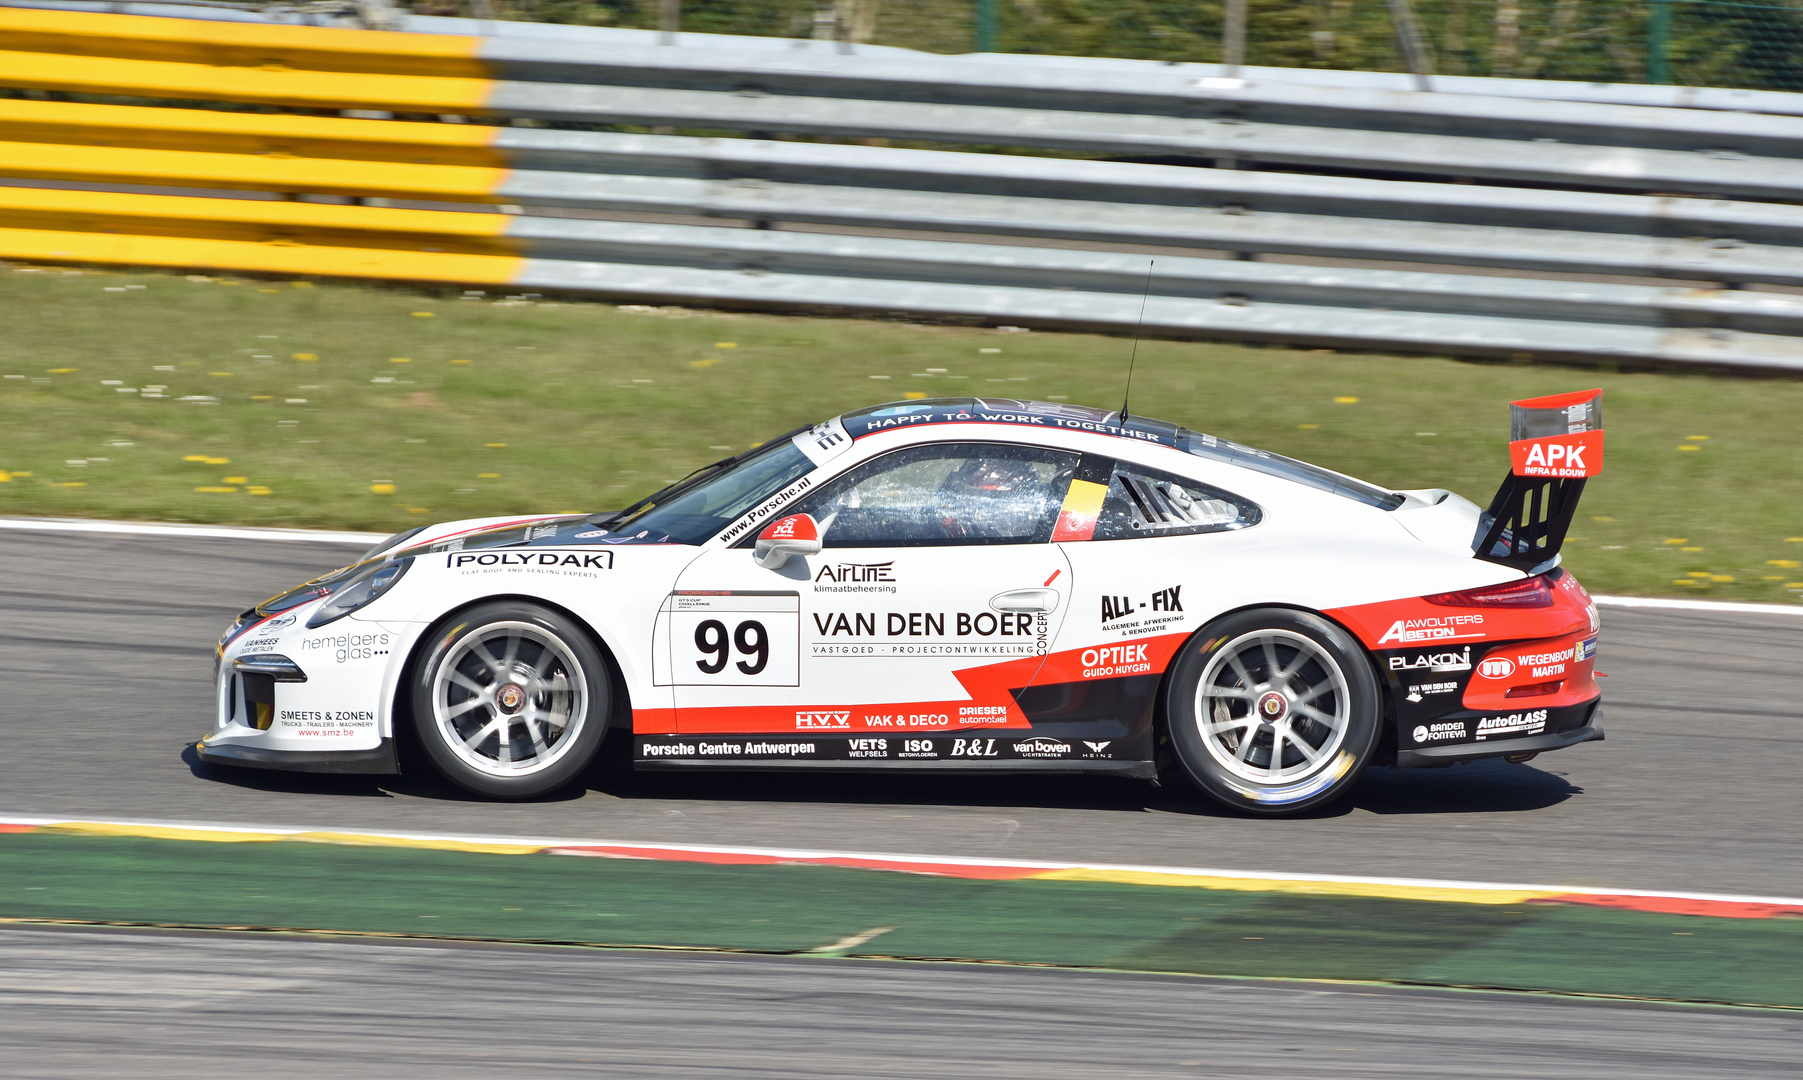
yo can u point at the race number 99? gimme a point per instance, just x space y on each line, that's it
735 640
752 640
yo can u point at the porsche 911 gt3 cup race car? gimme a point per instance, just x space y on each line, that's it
955 584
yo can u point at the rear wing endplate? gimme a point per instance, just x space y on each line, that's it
1555 445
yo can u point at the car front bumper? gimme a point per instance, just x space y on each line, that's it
306 701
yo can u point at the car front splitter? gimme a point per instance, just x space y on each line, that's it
379 761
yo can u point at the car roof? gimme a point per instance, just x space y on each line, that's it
1036 414
1062 416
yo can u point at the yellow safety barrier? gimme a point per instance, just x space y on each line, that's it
182 168
252 257
262 236
237 149
273 85
222 132
239 45
275 220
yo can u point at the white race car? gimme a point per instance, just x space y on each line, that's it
954 584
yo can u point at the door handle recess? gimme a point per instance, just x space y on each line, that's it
1044 600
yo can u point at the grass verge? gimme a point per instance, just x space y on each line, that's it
158 396
851 912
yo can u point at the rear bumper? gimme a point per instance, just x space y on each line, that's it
380 761
1427 757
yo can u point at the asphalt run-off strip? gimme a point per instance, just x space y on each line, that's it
318 536
1620 943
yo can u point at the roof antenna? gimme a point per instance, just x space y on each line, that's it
1134 355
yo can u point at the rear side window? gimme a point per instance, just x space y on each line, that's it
1300 472
1144 502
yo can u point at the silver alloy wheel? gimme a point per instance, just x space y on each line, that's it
510 699
1272 706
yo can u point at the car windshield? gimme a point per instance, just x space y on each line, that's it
692 510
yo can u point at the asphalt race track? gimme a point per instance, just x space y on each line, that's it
108 645
108 681
151 1006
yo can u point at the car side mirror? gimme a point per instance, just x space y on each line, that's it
797 534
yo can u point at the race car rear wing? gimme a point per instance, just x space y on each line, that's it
1555 445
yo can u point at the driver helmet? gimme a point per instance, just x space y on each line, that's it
991 476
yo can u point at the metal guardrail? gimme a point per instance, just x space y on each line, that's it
623 39
883 187
1142 94
1096 111
1352 306
1716 172
1716 231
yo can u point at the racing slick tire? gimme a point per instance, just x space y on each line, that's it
1273 711
510 700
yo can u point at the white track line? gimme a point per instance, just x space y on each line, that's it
227 532
203 532
1696 605
815 854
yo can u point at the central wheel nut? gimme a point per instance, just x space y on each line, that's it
510 697
1272 706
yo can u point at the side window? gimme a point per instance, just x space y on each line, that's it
944 494
1145 502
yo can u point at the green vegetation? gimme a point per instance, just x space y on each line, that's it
840 912
153 396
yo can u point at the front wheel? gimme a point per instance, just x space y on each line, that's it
1273 711
511 701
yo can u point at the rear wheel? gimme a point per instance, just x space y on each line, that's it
511 701
1273 711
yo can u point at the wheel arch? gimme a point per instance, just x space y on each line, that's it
620 706
1161 716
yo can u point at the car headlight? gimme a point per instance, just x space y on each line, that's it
358 590
303 594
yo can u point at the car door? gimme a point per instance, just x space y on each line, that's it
935 597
